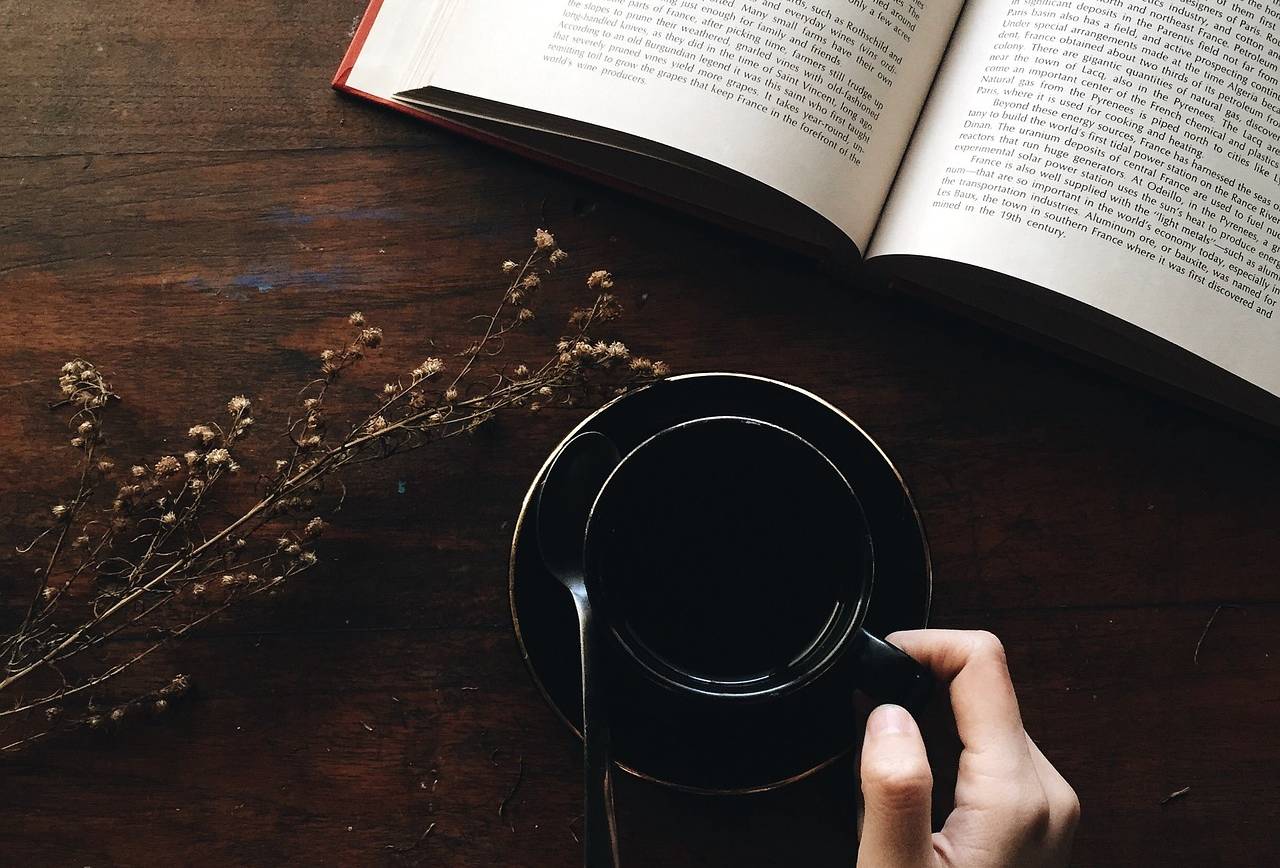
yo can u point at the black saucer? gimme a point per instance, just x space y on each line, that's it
695 744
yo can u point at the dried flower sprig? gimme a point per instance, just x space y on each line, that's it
129 550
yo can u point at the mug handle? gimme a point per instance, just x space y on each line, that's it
888 674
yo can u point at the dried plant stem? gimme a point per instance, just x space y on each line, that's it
149 560
59 543
121 667
176 567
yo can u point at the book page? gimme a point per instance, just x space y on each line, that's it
1125 154
815 98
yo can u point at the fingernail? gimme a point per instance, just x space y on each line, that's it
890 720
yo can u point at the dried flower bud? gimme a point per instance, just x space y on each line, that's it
370 337
310 404
327 355
451 394
238 404
59 510
77 442
376 424
524 315
509 266
543 240
53 712
81 541
558 256
48 593
281 464
600 280
93 721
435 418
308 559
522 372
85 427
137 471
167 466
390 389
545 392
197 590
218 456
617 350
105 466
660 369
293 549
315 527
203 433
196 485
117 714
356 318
169 518
160 706
177 687
531 281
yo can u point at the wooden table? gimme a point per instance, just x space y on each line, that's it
184 200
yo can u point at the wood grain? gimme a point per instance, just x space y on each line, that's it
191 207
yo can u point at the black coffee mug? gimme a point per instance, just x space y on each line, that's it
731 559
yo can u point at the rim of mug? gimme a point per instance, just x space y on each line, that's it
817 658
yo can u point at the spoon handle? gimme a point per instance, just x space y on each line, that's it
599 828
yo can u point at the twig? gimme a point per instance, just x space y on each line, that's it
405 848
153 552
1175 795
23 742
1195 658
502 806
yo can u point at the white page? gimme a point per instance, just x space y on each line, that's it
391 46
791 106
1159 201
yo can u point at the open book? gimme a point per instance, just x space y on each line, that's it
1103 172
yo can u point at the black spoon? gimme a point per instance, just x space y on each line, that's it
575 477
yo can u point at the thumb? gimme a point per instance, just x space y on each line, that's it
897 789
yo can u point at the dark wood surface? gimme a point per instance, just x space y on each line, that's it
184 200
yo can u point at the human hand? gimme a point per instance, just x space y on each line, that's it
1012 808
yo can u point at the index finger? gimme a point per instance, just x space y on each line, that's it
982 696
